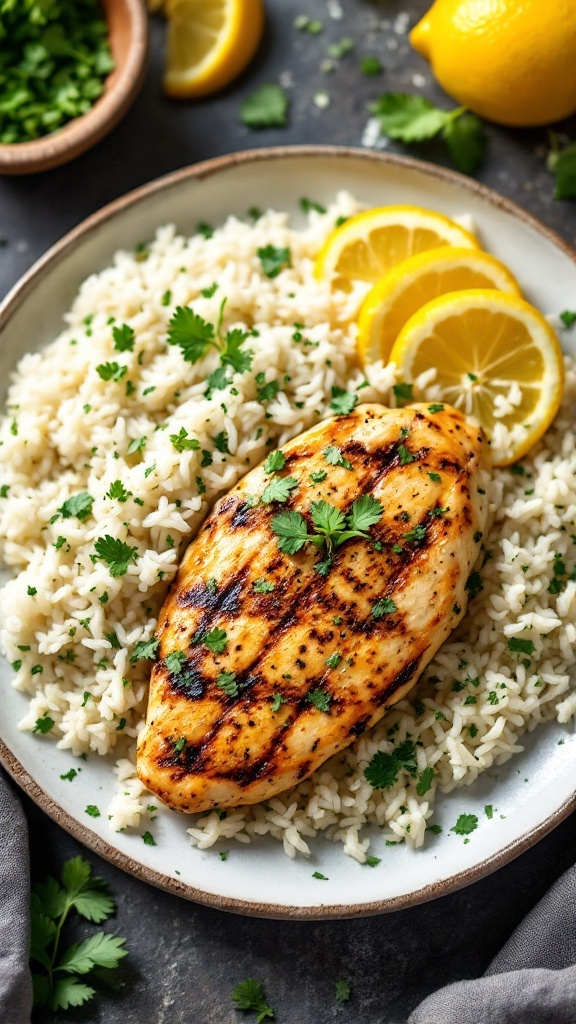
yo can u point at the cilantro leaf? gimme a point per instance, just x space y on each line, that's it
343 990
277 701
279 489
385 606
465 825
111 371
145 650
425 781
417 534
263 586
148 839
466 142
342 401
364 513
267 107
334 457
191 333
226 681
562 163
124 338
49 898
517 646
136 445
215 640
100 950
384 769
92 810
308 204
274 462
273 260
42 930
402 393
474 584
406 456
79 505
326 518
118 492
292 529
182 443
233 354
568 317
221 442
44 724
115 553
412 118
409 118
436 407
174 661
68 992
218 380
268 391
249 995
320 699
318 476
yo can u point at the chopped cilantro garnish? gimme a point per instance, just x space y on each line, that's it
275 461
215 640
320 699
342 401
568 317
371 66
425 781
111 371
466 824
263 586
191 333
308 204
474 585
402 393
385 606
136 445
221 442
273 260
383 770
517 646
79 505
318 476
277 701
93 811
182 443
417 534
115 553
406 456
268 391
175 661
226 681
334 457
124 338
209 292
44 724
334 660
148 839
118 492
488 811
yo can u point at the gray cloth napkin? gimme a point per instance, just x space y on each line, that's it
15 980
532 980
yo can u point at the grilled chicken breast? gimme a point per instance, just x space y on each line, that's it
267 666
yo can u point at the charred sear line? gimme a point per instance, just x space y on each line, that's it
190 682
403 677
211 599
241 515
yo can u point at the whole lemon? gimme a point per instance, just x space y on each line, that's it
510 61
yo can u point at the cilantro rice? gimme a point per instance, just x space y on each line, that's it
101 491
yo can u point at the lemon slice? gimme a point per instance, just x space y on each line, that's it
368 245
496 358
413 283
209 43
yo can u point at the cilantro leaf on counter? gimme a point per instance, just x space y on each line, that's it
51 904
249 995
412 118
343 990
384 769
266 107
562 163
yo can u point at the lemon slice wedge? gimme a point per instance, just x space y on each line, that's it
413 283
369 244
495 357
209 43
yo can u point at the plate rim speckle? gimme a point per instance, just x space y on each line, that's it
13 301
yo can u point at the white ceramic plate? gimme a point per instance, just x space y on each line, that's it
260 879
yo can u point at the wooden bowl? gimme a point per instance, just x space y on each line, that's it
128 35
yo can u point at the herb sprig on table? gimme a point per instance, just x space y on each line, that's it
54 58
55 971
412 118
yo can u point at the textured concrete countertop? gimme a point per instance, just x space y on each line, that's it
184 959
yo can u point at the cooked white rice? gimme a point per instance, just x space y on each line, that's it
70 627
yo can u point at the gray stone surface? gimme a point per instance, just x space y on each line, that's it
185 959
